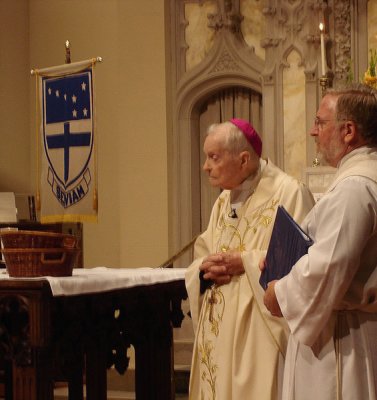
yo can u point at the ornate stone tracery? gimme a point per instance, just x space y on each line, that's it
226 62
226 18
342 39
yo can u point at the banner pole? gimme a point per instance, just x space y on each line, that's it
67 52
66 68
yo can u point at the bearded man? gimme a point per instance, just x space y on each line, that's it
329 299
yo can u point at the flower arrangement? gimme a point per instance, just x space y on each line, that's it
370 77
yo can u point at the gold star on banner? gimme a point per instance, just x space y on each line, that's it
57 93
74 113
83 86
74 98
85 112
49 90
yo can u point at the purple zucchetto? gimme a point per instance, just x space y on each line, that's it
250 133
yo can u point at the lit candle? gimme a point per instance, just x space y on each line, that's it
323 55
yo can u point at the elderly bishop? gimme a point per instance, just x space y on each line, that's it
239 347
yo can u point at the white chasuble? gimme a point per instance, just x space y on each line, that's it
239 348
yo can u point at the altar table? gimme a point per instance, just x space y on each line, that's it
73 328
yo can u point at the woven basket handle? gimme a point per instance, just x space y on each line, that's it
45 260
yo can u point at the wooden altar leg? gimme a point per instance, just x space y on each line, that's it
154 372
33 382
96 371
75 382
8 389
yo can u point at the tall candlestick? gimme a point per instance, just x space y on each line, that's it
323 54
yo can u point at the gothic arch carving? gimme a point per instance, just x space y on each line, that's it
288 51
229 61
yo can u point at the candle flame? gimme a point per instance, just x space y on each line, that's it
67 44
321 27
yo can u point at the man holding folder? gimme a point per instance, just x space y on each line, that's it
329 299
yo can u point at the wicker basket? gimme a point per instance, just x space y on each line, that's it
22 263
36 239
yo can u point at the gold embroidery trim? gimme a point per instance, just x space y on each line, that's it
215 301
260 217
213 313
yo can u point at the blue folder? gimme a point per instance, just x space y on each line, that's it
287 245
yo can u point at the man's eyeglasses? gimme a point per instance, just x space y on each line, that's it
318 122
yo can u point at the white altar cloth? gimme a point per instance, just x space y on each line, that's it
103 279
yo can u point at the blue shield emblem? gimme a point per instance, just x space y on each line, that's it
68 134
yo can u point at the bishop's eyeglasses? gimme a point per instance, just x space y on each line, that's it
319 122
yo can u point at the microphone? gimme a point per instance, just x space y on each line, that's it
232 213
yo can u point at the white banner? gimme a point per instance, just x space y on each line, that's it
67 153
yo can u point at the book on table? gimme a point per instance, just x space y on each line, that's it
287 245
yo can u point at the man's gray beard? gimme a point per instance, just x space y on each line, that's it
321 159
